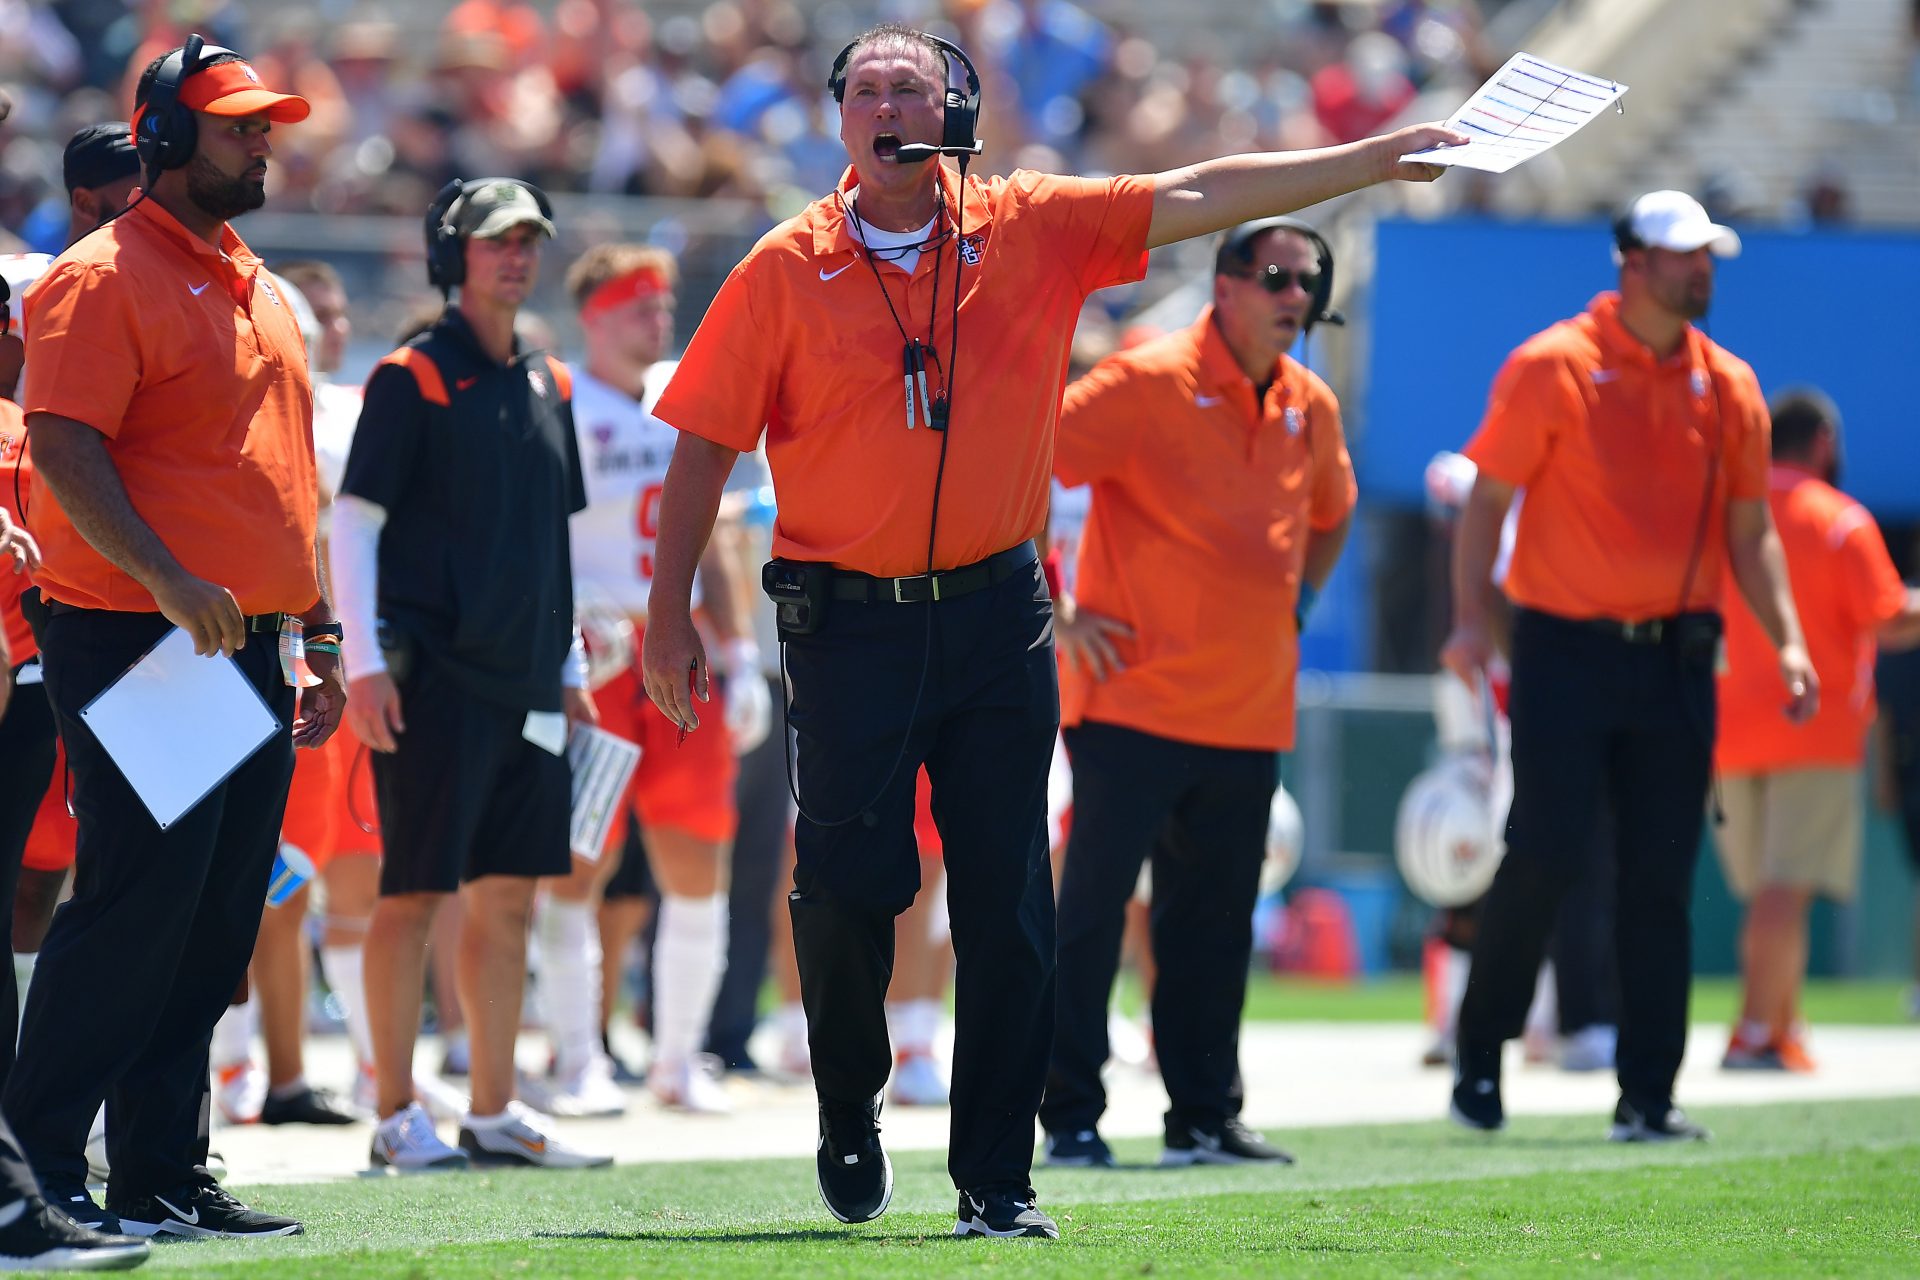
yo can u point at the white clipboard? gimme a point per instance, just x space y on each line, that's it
602 763
178 725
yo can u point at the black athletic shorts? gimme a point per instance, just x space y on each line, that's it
467 795
633 878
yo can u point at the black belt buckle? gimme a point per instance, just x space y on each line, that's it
1646 631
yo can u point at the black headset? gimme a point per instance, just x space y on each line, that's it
6 312
960 134
1236 250
446 257
167 134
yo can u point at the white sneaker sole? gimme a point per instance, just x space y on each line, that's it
975 1227
451 1163
188 1231
118 1257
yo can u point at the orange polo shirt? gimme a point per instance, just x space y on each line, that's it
15 463
1844 586
800 343
187 360
1202 501
1614 449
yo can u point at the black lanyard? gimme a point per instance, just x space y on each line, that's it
914 353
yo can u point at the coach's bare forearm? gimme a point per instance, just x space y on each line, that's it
72 458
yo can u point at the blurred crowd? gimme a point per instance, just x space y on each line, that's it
725 99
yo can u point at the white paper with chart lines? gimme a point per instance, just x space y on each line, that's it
1528 106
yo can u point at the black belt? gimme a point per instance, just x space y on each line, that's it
1643 631
257 622
944 585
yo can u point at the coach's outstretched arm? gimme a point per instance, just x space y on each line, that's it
1216 194
671 655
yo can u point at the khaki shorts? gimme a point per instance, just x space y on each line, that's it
1798 827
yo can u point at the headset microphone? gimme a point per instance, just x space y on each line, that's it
921 152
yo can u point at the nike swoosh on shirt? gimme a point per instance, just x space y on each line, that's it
828 275
461 384
191 1219
1207 402
197 290
1604 375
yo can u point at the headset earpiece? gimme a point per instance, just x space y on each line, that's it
167 134
446 261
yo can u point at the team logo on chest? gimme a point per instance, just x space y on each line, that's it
266 286
1293 420
538 381
970 250
1699 384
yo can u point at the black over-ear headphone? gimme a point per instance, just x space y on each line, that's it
1236 250
959 136
167 134
446 258
6 312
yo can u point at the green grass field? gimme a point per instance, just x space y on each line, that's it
1397 998
1825 1188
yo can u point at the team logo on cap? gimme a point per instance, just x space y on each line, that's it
249 73
501 193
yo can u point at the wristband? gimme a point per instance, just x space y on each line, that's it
323 646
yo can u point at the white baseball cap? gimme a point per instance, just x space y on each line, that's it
1673 220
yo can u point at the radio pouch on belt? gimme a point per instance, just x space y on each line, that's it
799 592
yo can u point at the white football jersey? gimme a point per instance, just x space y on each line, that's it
624 452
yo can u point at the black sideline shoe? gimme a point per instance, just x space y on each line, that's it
38 1237
1084 1149
1227 1142
81 1207
1003 1213
854 1174
1476 1104
205 1209
1655 1124
309 1106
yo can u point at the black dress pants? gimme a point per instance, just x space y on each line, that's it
967 686
140 963
26 753
1599 720
1201 813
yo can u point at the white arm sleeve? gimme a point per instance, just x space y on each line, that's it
573 667
353 553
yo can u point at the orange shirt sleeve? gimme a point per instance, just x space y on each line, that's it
1100 422
1750 435
1534 393
1098 227
1332 491
725 385
1870 584
83 349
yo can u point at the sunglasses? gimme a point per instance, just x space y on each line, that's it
1277 279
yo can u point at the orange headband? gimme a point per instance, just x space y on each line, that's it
641 282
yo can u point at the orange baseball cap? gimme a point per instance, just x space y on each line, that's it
234 89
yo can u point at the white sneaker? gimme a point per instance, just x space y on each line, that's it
590 1090
239 1091
519 1137
917 1081
692 1086
1589 1049
442 1100
405 1141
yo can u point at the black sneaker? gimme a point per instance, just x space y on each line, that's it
78 1205
1225 1142
309 1106
1476 1104
1654 1124
854 1174
39 1237
204 1209
1003 1212
1082 1150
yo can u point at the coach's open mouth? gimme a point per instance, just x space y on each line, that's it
886 146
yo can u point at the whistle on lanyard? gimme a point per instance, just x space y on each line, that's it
920 406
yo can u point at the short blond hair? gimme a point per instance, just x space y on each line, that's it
608 262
